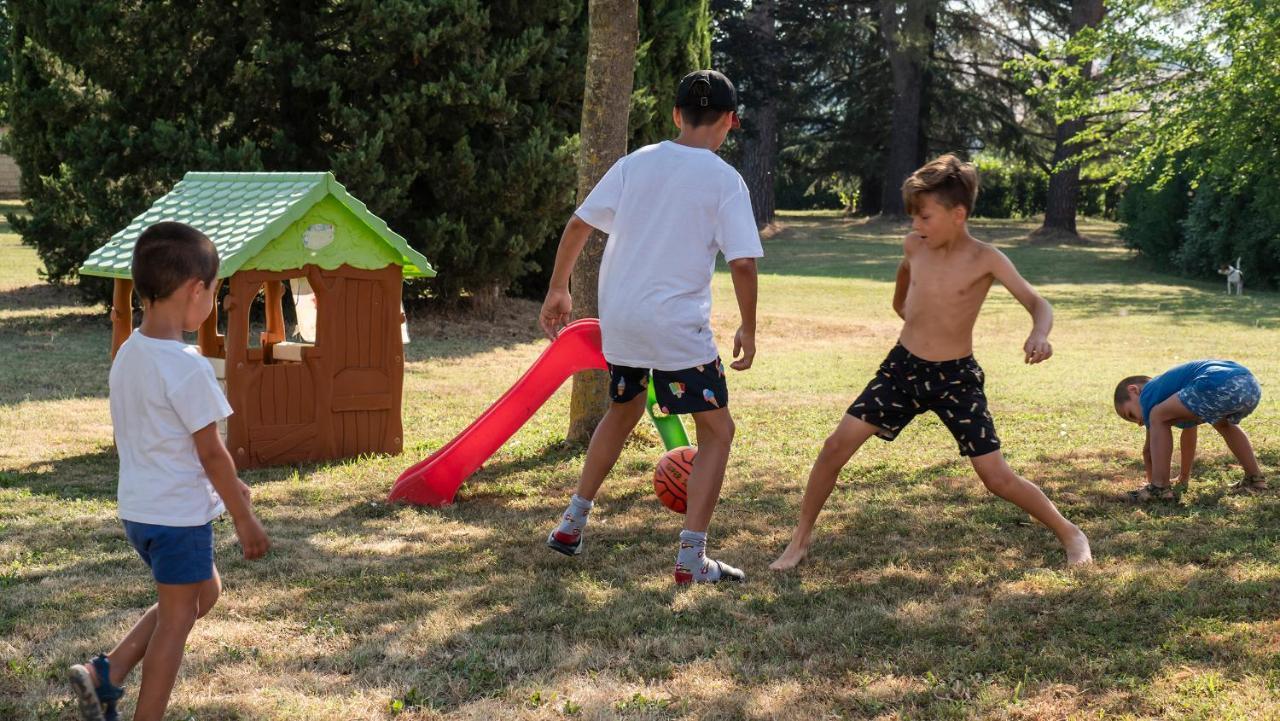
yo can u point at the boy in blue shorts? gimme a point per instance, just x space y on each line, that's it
1218 392
176 475
669 209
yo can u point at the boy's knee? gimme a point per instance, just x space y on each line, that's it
716 428
208 600
997 480
833 446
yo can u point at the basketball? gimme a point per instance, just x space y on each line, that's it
671 477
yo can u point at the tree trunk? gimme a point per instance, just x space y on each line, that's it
1064 183
760 151
606 106
906 29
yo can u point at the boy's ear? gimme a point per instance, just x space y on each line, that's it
1134 391
675 117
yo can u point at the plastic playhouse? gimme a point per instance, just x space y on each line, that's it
335 392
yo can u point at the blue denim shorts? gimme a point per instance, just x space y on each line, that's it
175 554
1222 397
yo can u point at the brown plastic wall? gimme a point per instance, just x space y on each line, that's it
344 398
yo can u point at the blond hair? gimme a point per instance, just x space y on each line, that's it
948 179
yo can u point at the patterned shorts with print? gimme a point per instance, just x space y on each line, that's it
906 386
691 390
1222 397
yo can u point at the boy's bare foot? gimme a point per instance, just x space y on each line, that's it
792 556
1077 548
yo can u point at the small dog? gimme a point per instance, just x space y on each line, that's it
1235 277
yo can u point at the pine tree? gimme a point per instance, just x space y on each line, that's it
452 119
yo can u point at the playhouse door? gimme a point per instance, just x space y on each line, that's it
368 367
281 414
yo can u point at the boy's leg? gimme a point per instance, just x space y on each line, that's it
176 611
1238 441
602 453
715 430
606 444
836 451
1000 479
131 649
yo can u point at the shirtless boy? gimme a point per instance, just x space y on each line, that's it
942 282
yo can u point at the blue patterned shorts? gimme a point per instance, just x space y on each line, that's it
1222 397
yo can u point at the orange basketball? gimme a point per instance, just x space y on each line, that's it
671 477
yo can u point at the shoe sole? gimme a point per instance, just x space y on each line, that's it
566 549
86 698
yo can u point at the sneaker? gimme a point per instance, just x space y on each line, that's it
727 573
564 543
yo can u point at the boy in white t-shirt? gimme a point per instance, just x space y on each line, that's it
668 210
176 475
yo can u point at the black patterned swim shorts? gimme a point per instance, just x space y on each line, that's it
906 386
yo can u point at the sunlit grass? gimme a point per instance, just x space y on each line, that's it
925 597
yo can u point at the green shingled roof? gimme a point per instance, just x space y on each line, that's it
242 213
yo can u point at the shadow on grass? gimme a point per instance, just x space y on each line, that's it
935 579
450 333
921 575
85 476
41 295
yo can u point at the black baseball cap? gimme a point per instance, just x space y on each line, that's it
706 89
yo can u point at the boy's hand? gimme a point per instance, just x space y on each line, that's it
557 309
252 536
1037 349
744 343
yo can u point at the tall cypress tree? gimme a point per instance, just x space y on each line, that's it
452 119
675 39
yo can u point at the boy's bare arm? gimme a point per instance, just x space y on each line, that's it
903 282
1160 436
221 470
1037 347
1146 455
743 271
557 309
900 288
1187 448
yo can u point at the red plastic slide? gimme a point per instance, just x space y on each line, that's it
435 481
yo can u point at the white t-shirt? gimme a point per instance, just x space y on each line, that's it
668 210
163 391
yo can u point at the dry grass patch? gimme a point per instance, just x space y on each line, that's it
925 598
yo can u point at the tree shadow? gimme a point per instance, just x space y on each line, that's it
91 476
41 295
438 332
920 574
901 606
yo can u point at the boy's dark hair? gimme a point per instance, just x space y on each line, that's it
948 179
692 116
1122 388
169 254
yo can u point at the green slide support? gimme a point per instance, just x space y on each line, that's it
669 426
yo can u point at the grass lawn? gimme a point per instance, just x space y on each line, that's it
925 598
